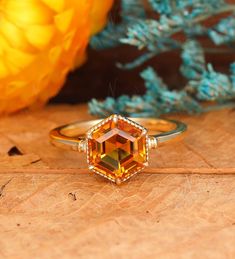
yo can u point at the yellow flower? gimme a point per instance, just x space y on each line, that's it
39 42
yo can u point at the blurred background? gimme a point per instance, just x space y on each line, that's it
99 77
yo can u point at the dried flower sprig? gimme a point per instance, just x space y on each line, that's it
156 36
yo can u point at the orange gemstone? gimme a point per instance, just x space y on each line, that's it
117 149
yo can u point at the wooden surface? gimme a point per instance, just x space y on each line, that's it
51 207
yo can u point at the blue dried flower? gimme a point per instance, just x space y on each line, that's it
156 35
214 86
224 31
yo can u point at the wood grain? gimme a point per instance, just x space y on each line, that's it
51 207
208 147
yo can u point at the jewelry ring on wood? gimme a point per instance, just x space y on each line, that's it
117 147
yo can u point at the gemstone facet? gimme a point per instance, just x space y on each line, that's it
117 148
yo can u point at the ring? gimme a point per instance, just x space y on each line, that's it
117 147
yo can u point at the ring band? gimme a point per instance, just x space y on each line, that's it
117 147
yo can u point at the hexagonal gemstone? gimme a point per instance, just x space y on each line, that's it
117 149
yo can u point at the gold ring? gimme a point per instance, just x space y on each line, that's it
117 147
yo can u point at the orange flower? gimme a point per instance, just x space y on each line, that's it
39 42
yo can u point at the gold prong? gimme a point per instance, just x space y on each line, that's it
146 164
115 118
91 167
118 181
144 132
89 135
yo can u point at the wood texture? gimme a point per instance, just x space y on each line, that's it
208 147
51 207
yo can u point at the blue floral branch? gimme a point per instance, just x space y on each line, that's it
156 36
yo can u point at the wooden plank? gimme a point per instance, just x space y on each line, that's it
209 146
51 207
152 216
